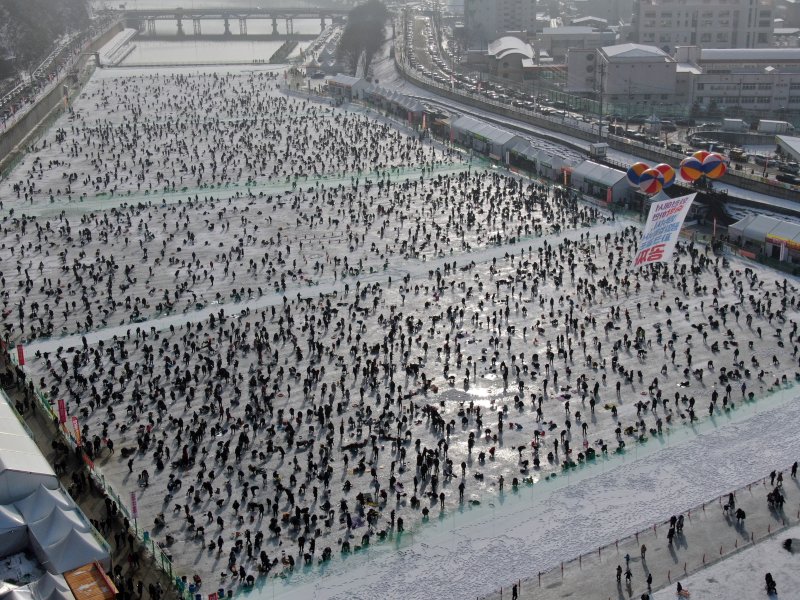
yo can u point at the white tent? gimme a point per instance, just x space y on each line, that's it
20 593
41 502
47 587
6 588
76 549
56 526
22 466
13 532
51 587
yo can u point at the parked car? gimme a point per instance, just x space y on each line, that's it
785 178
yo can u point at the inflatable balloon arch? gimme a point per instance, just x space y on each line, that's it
652 180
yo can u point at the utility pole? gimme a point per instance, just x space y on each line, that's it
602 83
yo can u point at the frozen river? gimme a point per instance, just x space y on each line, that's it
313 331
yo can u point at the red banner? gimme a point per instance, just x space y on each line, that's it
21 355
62 411
134 506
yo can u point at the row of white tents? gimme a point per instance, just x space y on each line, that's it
48 522
37 514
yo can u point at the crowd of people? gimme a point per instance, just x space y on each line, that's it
370 354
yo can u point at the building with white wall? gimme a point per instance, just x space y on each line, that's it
485 20
707 23
758 81
557 41
635 78
636 74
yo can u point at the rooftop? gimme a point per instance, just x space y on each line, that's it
570 30
506 45
750 55
345 80
598 173
634 51
484 130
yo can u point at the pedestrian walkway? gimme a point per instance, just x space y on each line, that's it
710 534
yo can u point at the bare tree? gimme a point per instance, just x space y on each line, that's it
363 34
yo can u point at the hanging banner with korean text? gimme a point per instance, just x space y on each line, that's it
662 229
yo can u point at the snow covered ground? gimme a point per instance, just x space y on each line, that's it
339 323
742 575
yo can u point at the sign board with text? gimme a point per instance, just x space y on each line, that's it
662 229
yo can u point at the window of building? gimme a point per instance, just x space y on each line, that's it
794 100
701 86
748 86
794 86
747 99
763 100
765 86
706 37
762 38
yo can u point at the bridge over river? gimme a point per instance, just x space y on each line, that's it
144 18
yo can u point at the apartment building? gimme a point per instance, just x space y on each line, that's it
707 23
486 20
762 82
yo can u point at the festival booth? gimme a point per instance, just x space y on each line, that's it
522 155
767 236
394 103
483 138
345 87
550 166
602 182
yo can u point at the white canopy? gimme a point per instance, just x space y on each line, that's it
56 526
41 502
22 465
20 593
76 549
47 587
51 587
13 532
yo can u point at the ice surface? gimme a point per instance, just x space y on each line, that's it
453 275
